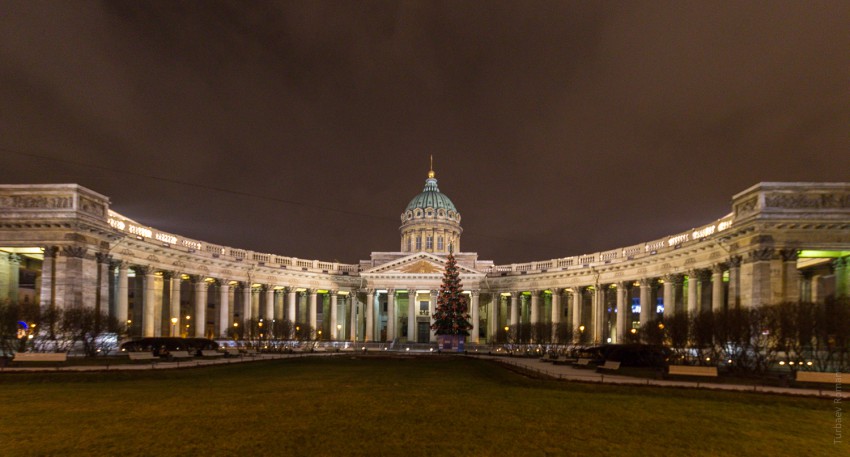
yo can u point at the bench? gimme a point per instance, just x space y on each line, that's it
582 363
609 365
180 355
56 357
688 370
211 353
141 356
825 377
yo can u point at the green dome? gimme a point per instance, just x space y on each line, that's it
431 197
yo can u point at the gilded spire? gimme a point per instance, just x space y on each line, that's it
431 171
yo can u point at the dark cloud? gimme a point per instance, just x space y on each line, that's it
558 128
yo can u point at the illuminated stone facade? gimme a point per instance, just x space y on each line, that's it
61 245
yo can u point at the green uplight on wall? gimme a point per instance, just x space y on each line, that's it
811 254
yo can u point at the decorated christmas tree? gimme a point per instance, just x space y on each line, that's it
451 317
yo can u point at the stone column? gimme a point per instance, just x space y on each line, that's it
370 315
598 317
48 279
622 312
693 304
390 314
246 306
290 305
734 281
122 307
474 333
790 275
224 308
335 332
717 300
761 293
103 261
669 295
411 315
514 311
4 276
200 306
14 278
646 308
577 305
431 308
311 309
255 303
278 306
268 311
148 315
535 307
352 320
495 305
557 309
174 305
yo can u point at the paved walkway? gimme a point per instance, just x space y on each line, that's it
163 365
567 372
564 372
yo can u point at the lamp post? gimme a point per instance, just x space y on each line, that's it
339 331
173 326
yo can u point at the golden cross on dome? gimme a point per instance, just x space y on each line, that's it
431 171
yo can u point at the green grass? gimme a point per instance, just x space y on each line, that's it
377 406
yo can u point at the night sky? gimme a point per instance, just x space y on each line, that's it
304 128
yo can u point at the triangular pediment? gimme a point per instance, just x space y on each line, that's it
421 263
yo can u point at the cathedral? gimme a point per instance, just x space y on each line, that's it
61 246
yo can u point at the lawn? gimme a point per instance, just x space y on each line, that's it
431 405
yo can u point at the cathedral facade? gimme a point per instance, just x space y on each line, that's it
61 245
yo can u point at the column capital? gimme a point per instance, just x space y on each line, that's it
761 255
145 270
312 291
556 290
674 278
719 268
789 255
647 282
50 251
333 292
74 251
223 282
103 257
735 261
474 292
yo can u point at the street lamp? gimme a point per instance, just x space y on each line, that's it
338 331
173 326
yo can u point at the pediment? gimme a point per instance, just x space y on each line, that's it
421 263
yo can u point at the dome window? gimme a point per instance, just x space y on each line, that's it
440 244
429 243
408 244
418 243
441 213
410 214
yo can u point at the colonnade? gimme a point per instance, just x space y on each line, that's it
159 302
603 312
